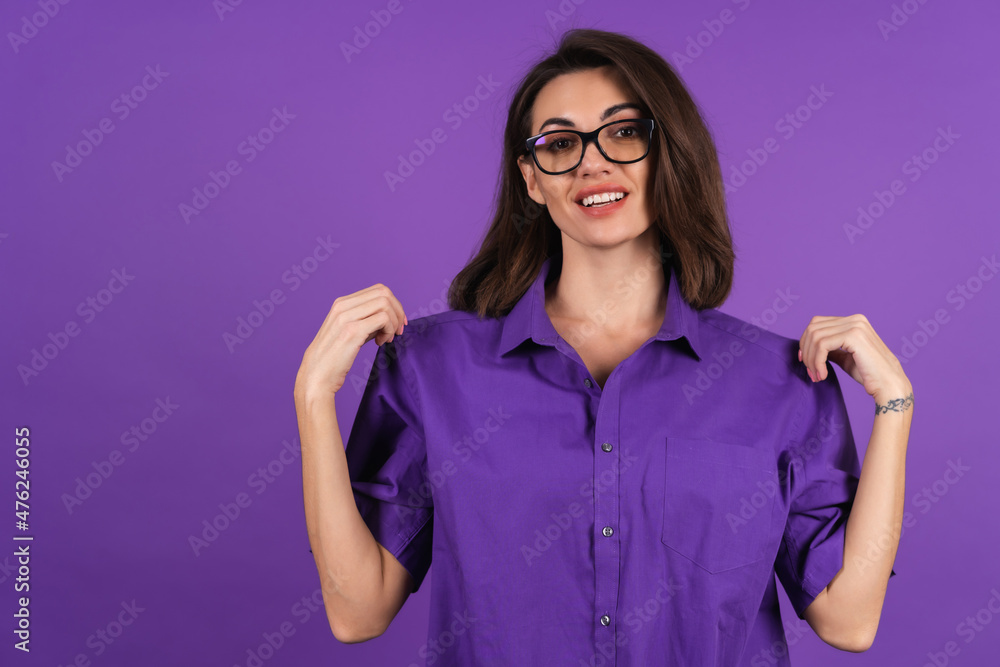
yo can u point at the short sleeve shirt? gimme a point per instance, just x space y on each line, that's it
638 523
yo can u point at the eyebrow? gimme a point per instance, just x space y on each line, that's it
610 111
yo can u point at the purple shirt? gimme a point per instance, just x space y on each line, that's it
641 523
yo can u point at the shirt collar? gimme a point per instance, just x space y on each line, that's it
528 319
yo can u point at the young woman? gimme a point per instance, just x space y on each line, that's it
604 467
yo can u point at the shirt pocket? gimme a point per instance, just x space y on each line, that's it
717 502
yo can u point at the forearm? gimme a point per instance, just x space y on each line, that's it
347 556
873 526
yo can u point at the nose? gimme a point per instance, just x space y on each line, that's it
593 161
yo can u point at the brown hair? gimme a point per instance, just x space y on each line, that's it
687 195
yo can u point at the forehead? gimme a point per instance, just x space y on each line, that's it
580 97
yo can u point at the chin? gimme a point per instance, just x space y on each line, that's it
608 236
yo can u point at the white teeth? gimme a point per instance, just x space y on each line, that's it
602 198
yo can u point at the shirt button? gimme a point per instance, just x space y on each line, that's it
606 446
608 531
587 382
605 620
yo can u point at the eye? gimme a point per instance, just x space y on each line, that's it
628 131
557 143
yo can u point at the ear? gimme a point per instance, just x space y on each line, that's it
527 166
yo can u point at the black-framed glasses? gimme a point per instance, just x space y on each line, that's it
621 141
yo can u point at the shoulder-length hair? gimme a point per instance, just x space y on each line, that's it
687 195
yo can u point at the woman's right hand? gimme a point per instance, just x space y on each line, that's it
353 320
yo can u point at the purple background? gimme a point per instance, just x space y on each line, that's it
323 175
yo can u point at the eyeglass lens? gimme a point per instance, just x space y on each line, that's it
623 141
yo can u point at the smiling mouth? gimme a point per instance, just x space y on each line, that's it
598 201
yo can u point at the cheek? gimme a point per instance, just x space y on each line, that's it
557 194
647 188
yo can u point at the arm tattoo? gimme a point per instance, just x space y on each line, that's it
896 405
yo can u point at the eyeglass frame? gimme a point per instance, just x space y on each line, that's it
586 138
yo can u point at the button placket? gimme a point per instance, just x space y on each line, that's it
606 490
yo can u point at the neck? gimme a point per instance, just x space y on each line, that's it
615 292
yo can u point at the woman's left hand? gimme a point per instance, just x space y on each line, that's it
851 343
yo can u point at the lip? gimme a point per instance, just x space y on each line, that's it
598 189
607 209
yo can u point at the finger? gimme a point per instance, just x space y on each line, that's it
835 342
822 324
396 305
366 310
818 323
400 313
821 336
